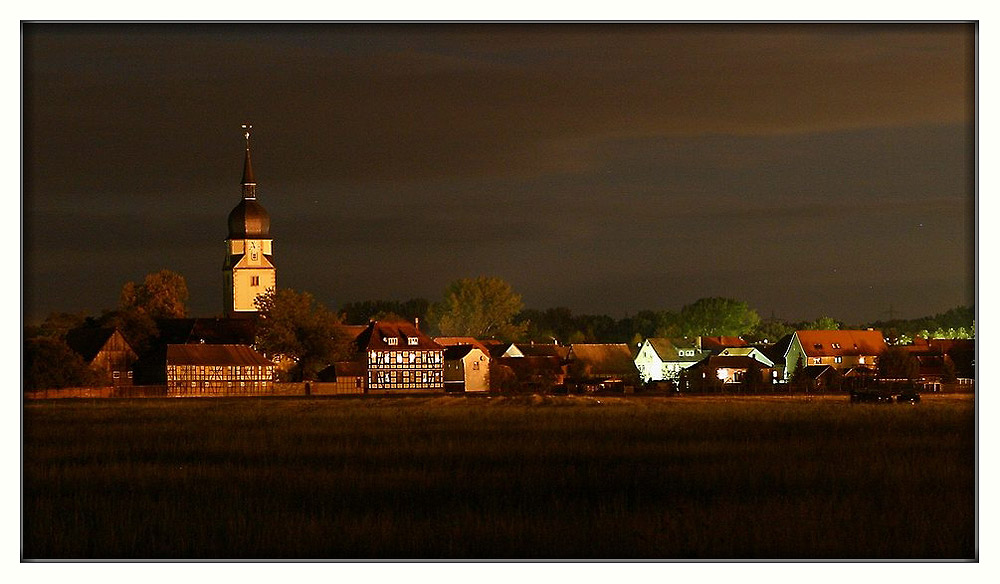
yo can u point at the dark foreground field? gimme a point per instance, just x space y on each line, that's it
532 477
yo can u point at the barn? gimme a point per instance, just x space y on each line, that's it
217 370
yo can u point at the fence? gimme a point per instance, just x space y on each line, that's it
131 391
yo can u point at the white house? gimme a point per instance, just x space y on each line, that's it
661 359
466 367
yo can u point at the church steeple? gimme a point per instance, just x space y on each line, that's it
248 270
249 184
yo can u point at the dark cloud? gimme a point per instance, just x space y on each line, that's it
605 167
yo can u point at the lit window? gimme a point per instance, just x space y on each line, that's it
838 359
412 340
835 345
816 360
392 340
130 375
116 374
475 366
861 360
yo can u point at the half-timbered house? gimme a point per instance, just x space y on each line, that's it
217 370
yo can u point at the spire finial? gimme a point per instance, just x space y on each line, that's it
249 184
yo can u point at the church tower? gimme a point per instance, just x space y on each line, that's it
248 269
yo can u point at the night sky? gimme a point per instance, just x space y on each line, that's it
806 169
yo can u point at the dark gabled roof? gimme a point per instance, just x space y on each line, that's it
777 351
456 352
817 371
729 362
525 367
543 350
841 342
375 335
204 354
604 358
216 331
452 341
88 341
719 343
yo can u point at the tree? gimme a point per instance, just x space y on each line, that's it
823 323
161 295
713 317
897 363
294 325
49 363
771 330
482 307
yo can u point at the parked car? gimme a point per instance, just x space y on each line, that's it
871 396
908 396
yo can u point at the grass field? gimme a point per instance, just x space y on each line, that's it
506 477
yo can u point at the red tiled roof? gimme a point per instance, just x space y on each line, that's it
452 341
714 343
838 343
205 354
376 334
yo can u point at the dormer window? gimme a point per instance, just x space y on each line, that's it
835 345
412 340
392 341
818 346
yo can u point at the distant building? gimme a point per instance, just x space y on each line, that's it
716 344
466 368
106 352
400 357
841 349
536 350
217 370
663 359
714 370
248 270
602 365
752 352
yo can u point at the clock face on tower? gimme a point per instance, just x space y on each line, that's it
253 251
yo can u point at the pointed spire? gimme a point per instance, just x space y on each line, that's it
249 184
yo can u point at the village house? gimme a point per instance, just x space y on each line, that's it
466 368
532 349
752 352
106 352
721 370
217 370
400 357
602 366
939 358
663 359
841 349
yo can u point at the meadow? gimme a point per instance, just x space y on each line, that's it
530 477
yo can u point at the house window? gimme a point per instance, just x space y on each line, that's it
861 360
475 366
816 360
255 281
838 359
392 341
412 340
130 375
835 345
116 374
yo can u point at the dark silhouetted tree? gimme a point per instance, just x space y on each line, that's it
713 317
482 307
294 325
897 363
49 363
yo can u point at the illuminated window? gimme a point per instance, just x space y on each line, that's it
392 340
835 345
816 360
475 366
116 375
838 359
412 340
861 360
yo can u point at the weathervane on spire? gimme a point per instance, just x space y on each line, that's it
246 133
